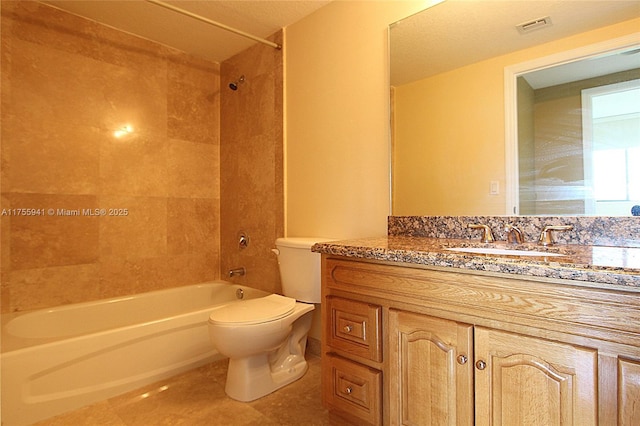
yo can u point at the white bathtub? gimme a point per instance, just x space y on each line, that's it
60 359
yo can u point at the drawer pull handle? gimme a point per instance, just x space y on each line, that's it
481 365
348 328
462 359
348 390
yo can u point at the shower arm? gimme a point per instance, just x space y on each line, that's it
215 24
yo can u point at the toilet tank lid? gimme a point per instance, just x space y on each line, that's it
254 311
301 242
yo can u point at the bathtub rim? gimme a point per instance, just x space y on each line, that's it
10 343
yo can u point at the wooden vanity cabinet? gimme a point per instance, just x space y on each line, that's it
518 380
463 349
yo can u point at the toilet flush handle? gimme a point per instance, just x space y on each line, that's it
276 251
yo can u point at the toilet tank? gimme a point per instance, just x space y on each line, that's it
299 268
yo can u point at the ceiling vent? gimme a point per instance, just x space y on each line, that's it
534 25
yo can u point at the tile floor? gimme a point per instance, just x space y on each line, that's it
197 398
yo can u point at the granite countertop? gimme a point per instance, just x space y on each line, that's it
611 266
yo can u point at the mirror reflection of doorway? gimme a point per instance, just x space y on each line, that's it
611 141
574 154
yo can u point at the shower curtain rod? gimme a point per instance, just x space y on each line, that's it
215 24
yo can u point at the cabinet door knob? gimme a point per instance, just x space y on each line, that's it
462 359
348 390
347 328
481 365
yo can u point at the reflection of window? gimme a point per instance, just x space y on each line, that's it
616 174
612 147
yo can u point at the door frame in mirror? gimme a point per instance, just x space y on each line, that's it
511 74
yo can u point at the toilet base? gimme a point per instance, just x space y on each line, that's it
265 357
253 377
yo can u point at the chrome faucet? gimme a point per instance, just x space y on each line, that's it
237 271
546 237
487 235
514 235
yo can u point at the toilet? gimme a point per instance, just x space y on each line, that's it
265 338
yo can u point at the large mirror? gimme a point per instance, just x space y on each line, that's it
516 107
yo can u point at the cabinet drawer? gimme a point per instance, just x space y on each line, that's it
355 390
355 328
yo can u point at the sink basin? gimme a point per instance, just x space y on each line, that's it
503 252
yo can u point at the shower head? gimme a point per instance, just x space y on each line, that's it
234 84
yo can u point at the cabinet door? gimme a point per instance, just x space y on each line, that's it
528 381
431 370
628 392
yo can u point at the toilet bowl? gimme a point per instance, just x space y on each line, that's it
265 338
265 353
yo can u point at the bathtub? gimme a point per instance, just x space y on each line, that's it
60 359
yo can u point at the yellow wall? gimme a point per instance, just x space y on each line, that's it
456 120
449 143
337 119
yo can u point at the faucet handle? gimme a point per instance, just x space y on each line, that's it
546 237
514 235
487 235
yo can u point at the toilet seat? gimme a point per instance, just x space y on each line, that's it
254 311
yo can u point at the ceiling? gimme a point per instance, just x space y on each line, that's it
260 18
458 32
609 63
455 33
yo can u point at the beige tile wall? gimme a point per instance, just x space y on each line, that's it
67 84
251 164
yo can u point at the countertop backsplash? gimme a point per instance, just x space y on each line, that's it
618 231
